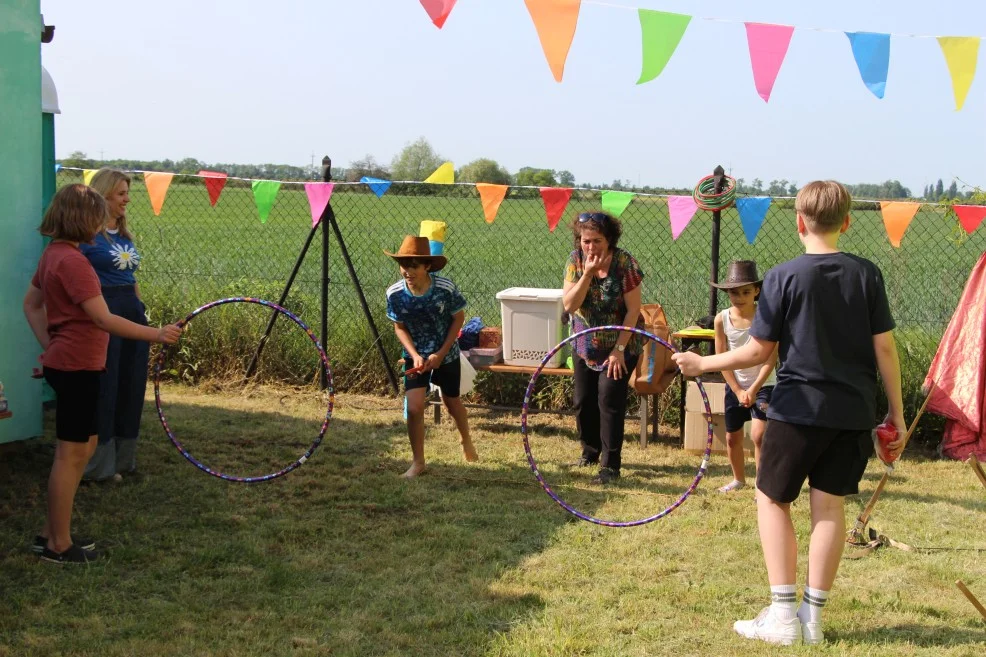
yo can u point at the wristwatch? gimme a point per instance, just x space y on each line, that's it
621 348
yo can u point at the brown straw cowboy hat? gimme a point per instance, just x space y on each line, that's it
738 274
418 248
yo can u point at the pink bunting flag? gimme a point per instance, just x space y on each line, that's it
970 216
768 46
681 209
319 194
214 183
438 10
555 201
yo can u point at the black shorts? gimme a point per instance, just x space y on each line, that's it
832 460
77 403
446 377
737 415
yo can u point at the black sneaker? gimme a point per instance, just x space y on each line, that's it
74 554
40 543
605 476
583 462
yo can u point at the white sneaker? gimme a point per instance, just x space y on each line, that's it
768 627
811 633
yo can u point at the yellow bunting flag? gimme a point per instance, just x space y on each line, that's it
555 21
443 175
157 188
961 54
492 196
897 216
87 175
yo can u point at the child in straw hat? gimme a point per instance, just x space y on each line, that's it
428 310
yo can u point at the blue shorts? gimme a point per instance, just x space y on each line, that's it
737 415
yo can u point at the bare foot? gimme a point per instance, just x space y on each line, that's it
415 470
469 452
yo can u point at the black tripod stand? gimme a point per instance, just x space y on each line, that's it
328 218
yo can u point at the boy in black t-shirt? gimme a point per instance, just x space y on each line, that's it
827 313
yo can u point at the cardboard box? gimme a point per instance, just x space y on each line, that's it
716 393
697 434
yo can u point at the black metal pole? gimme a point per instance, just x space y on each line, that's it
331 216
324 336
720 181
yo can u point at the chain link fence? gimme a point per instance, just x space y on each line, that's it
194 253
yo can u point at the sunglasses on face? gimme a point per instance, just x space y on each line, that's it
597 217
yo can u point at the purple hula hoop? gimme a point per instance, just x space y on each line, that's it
533 463
159 363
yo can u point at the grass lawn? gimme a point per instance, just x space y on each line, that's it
344 557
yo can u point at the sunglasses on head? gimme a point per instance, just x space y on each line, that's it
597 217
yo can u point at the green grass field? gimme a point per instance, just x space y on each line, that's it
194 253
343 557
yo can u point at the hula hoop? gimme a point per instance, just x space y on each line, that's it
177 443
533 463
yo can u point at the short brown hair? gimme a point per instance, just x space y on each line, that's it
824 205
605 223
76 214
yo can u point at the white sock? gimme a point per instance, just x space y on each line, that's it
810 610
783 601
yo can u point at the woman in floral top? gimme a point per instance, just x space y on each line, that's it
121 391
602 287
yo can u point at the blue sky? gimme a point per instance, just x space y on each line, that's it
250 82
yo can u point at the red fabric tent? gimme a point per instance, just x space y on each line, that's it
959 372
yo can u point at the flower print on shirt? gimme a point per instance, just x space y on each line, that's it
124 256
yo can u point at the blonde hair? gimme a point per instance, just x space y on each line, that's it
105 181
824 205
76 214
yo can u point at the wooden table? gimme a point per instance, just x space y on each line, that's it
550 371
687 342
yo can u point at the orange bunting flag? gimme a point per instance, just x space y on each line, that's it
438 10
555 201
214 183
492 196
555 21
897 217
961 54
970 216
157 188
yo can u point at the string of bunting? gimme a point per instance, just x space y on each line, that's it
897 215
660 33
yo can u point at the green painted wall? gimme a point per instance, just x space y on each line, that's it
21 192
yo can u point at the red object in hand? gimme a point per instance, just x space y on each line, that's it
414 371
885 434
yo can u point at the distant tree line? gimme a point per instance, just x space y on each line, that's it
418 159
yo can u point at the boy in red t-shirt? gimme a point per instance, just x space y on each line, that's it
65 307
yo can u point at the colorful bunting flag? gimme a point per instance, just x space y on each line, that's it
768 46
438 10
319 194
443 175
897 216
491 196
615 203
872 53
660 32
58 167
970 216
555 201
264 193
961 54
378 186
214 181
157 183
752 212
681 210
555 21
87 175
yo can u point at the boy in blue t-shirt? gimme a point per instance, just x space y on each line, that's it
827 314
428 311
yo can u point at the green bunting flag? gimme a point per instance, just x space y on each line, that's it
264 193
661 33
614 203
